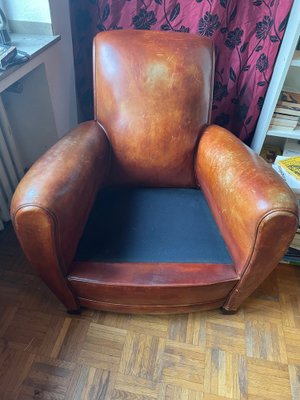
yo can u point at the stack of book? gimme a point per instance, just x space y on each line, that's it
292 256
287 112
289 169
291 165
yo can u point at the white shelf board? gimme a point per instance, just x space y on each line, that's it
296 59
295 134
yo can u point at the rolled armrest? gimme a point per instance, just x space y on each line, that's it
51 204
255 210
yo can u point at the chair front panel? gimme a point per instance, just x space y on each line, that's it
152 96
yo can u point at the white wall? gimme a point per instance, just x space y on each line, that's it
27 10
61 75
57 90
31 115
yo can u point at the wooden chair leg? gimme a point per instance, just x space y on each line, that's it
227 312
76 311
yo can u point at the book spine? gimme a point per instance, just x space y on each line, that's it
284 122
288 111
286 116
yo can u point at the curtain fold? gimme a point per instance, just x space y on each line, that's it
247 37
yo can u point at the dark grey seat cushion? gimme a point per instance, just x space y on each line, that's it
152 225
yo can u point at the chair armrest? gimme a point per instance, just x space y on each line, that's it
51 204
255 210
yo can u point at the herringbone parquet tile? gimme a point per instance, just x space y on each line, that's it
47 354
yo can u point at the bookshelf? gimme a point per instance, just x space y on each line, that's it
296 59
286 76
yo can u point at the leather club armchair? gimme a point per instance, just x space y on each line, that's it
148 208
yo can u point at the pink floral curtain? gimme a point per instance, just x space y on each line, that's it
247 36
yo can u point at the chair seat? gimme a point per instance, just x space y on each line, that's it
151 250
152 225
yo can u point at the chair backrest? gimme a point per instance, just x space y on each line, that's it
153 93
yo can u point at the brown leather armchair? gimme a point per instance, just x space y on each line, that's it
149 208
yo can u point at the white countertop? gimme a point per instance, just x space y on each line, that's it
31 44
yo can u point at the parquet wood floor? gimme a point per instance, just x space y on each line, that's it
45 354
